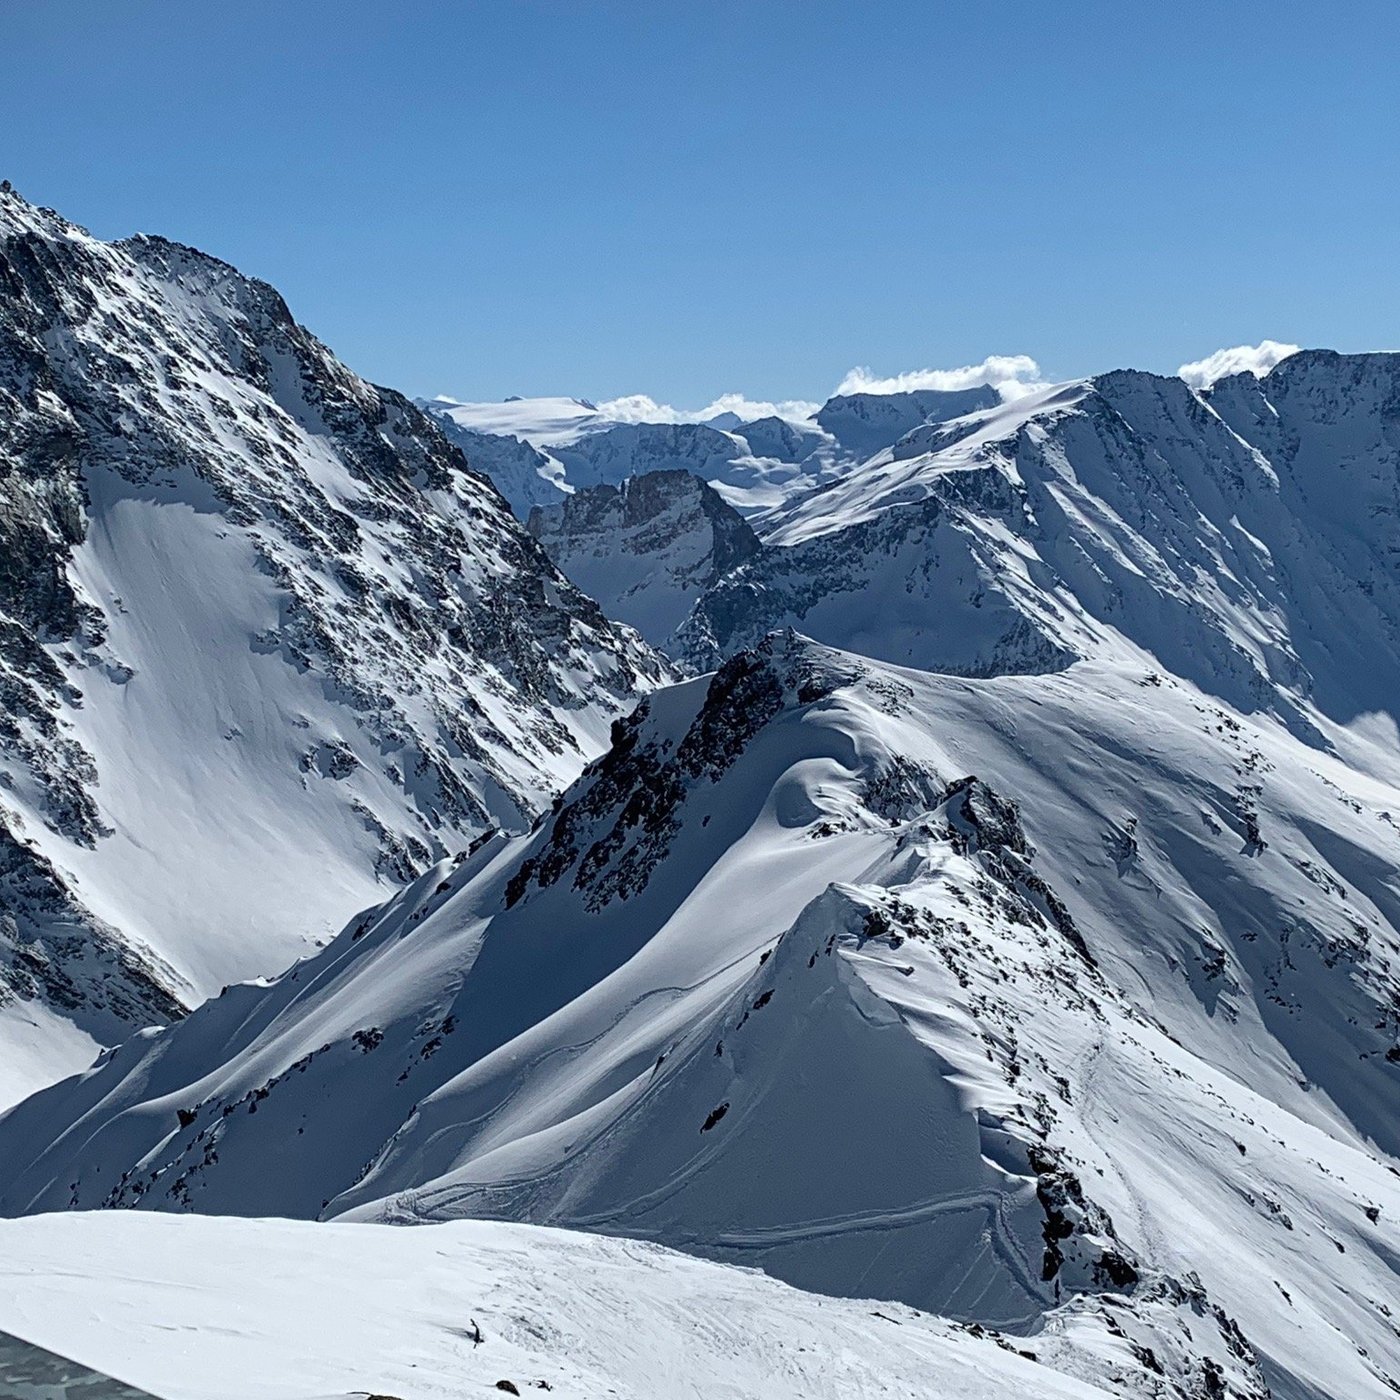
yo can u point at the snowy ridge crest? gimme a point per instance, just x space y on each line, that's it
997 1019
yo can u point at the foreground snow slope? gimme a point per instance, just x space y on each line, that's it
267 646
1062 1003
209 1309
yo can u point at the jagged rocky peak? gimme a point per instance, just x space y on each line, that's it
646 549
266 641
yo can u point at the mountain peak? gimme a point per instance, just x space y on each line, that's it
650 546
273 591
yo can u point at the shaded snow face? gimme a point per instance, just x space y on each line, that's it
267 646
646 550
866 423
1063 1003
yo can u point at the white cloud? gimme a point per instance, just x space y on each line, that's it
641 408
1238 359
1011 375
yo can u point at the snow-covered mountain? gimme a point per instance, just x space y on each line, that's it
865 423
650 546
558 446
1244 539
1062 1003
267 646
757 465
1021 944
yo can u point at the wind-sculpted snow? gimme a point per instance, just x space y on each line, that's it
266 644
227 1309
1065 1004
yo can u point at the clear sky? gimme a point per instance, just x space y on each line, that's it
680 199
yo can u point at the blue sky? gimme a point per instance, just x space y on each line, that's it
682 199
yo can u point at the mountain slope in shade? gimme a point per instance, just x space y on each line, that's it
223 1309
866 423
650 546
979 995
267 647
524 475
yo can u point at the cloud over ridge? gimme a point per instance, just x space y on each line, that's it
1012 375
1236 359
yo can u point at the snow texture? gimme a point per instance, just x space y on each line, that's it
225 1309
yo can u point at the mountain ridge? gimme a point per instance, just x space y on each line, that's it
1005 924
1025 947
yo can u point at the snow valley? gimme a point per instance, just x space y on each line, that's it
939 847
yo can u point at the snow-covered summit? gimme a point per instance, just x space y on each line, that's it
864 423
266 643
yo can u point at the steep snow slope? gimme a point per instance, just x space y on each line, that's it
1097 1045
222 1309
646 549
1245 540
267 648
